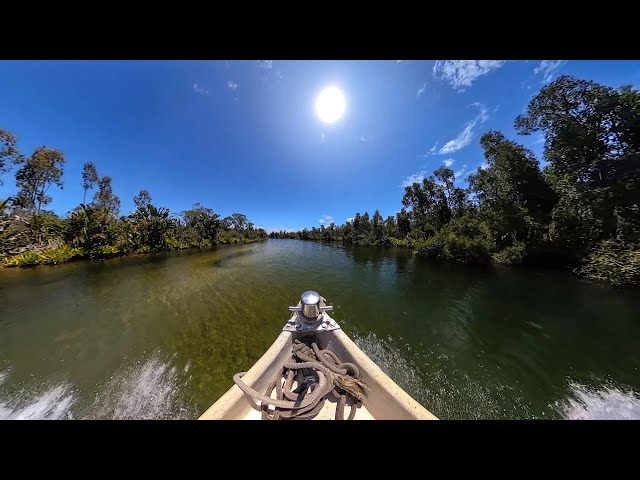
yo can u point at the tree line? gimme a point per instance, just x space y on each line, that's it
31 235
581 210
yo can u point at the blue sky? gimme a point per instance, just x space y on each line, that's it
244 136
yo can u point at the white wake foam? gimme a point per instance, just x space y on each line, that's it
607 403
53 404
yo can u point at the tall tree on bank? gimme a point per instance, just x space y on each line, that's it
512 196
39 171
105 198
89 178
9 155
592 143
142 199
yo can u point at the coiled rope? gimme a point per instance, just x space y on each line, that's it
318 373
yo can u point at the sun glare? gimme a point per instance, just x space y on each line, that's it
330 105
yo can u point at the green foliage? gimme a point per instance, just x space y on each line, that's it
39 171
105 199
104 251
61 254
614 263
25 259
513 255
465 239
9 155
89 178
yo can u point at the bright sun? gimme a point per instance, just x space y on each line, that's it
330 105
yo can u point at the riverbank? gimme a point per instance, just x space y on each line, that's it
66 253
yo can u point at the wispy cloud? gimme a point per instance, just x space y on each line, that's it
422 90
326 219
270 73
323 137
350 219
200 90
232 85
415 178
548 69
448 162
366 139
465 137
461 74
540 139
402 61
462 173
433 149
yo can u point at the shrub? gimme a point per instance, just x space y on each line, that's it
105 251
464 239
614 263
60 255
25 259
512 255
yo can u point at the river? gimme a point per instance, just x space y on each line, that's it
160 336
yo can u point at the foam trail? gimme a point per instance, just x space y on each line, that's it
141 391
608 403
54 404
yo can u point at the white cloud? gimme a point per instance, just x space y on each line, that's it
366 139
462 173
465 137
199 89
461 74
422 89
232 85
433 149
323 137
266 64
448 162
540 139
484 166
548 69
402 61
350 219
326 219
415 178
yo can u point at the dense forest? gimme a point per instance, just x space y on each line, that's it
582 210
31 235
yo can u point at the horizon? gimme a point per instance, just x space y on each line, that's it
247 136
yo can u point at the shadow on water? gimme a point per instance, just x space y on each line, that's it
160 336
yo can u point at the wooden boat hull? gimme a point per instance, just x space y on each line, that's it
386 400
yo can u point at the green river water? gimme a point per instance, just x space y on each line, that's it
160 336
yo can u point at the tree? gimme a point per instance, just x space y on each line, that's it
152 224
404 223
592 145
238 221
428 203
378 227
143 199
390 229
203 223
9 155
41 170
105 198
89 178
512 195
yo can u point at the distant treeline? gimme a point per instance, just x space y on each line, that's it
30 235
581 210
